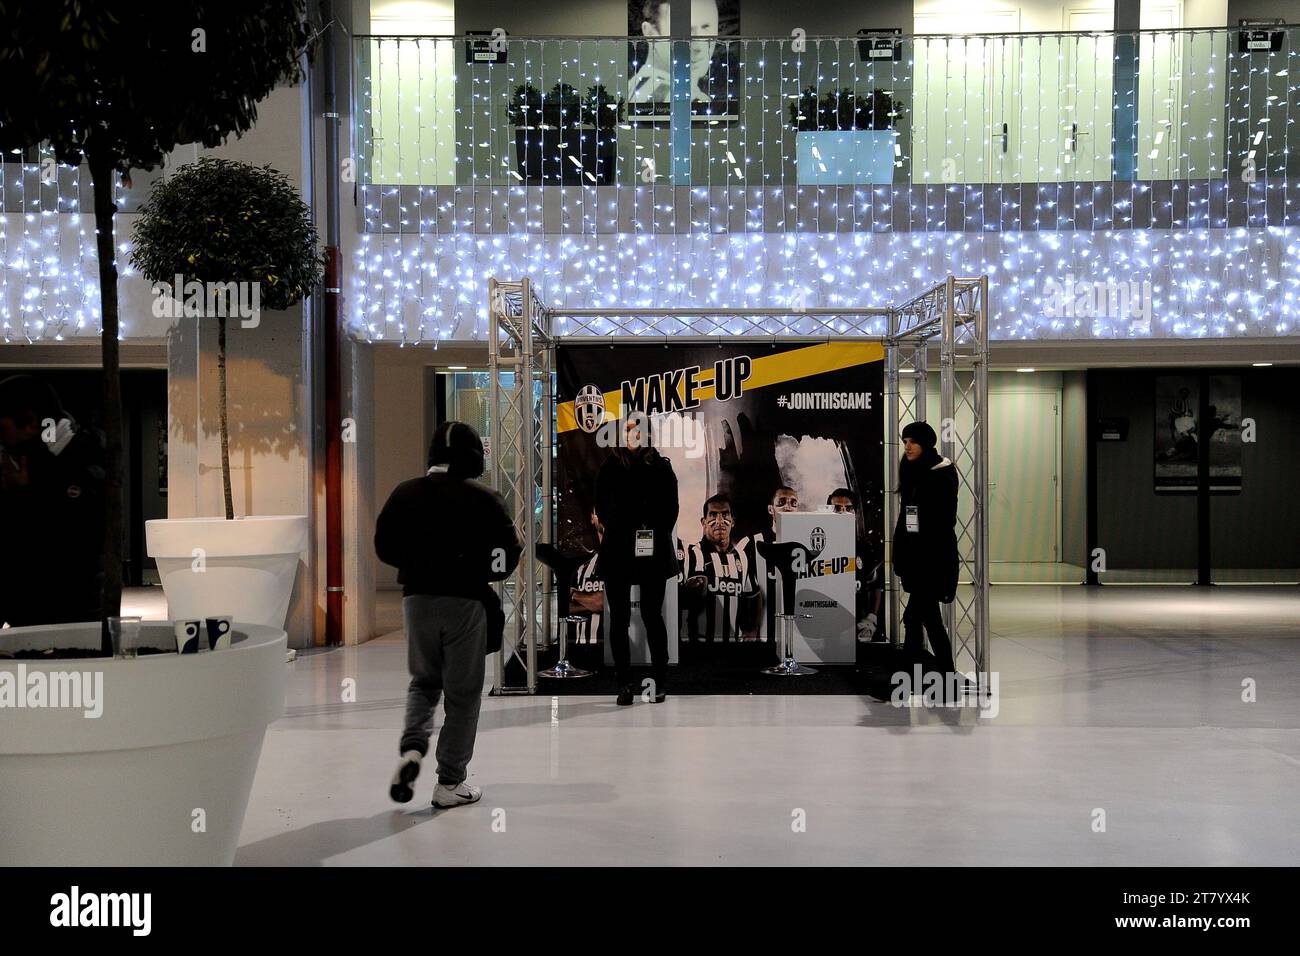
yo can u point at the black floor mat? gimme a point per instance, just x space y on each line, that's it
733 669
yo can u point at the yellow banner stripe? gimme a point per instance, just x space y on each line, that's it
850 569
767 370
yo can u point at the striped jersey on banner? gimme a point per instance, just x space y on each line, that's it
766 580
727 602
587 630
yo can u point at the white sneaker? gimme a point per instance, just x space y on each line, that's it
456 796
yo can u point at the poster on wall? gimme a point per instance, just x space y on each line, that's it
715 62
1178 400
752 431
1179 432
1224 430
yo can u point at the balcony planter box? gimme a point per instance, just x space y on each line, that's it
545 155
845 157
177 734
249 566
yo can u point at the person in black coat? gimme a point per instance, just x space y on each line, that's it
636 502
925 542
52 479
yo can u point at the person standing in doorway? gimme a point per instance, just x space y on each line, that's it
925 542
636 503
449 536
52 478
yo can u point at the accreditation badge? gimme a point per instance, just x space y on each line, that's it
645 543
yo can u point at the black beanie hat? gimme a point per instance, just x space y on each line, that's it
921 433
457 446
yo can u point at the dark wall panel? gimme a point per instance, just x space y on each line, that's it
1257 528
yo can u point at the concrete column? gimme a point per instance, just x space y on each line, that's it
680 28
269 387
361 496
1124 96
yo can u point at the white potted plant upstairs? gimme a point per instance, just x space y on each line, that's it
241 238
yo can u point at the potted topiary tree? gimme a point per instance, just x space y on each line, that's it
563 138
229 239
844 138
602 113
120 86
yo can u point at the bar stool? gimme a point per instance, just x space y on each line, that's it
784 555
563 568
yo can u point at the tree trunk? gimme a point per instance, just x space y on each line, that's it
103 173
221 412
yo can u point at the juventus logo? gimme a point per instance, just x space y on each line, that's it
589 408
817 541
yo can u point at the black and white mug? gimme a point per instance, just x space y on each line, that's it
188 636
218 631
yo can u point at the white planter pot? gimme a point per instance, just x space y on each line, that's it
248 566
177 735
844 158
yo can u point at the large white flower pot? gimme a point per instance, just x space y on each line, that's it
161 777
244 568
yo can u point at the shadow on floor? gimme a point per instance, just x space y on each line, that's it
315 843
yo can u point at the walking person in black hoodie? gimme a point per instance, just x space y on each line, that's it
449 536
636 501
925 543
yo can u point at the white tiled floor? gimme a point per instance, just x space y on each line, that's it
1127 700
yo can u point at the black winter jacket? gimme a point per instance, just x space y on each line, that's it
636 490
50 569
926 560
447 537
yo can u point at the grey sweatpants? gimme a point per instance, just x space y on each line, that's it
446 640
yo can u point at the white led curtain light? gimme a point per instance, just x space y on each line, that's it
1003 153
1049 285
49 279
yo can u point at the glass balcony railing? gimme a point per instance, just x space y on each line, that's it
1029 108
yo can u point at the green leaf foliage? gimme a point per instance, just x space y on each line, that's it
843 109
133 80
218 220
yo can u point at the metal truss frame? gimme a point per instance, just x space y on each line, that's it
955 315
522 428
523 332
